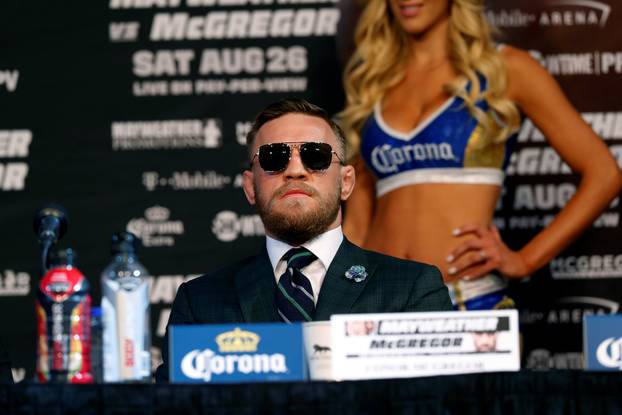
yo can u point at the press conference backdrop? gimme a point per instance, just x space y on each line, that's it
578 42
132 114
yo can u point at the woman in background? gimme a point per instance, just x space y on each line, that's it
433 105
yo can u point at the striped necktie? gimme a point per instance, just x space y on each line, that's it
294 295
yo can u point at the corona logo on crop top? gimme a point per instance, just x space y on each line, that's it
388 159
204 364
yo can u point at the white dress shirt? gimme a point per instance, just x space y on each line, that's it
323 246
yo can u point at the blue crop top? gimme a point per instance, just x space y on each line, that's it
445 148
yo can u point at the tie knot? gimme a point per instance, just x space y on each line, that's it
299 257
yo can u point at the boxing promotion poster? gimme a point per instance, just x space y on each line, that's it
132 115
406 345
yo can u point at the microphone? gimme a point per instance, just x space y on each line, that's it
50 224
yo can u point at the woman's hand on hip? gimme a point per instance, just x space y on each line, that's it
478 256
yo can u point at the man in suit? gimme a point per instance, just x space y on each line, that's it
307 270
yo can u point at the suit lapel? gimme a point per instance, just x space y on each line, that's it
256 286
338 293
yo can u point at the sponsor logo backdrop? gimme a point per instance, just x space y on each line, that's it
578 43
133 113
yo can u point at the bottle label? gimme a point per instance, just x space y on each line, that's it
126 332
63 314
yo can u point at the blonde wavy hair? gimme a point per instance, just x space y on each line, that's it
382 50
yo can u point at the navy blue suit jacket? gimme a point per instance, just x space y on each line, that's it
245 292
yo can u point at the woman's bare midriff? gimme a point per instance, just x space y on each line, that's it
416 221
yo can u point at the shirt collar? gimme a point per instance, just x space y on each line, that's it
323 246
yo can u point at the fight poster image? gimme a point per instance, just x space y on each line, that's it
398 345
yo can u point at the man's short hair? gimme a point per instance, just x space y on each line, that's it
294 106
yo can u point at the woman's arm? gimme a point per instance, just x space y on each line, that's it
542 100
360 205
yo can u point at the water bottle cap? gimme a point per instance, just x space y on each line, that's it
63 257
124 243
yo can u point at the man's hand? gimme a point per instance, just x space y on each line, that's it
478 256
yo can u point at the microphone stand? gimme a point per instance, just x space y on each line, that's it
50 224
45 249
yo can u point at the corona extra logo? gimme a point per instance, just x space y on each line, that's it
155 229
237 341
157 213
203 364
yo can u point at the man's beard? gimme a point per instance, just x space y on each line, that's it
295 226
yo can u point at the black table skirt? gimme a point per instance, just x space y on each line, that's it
558 392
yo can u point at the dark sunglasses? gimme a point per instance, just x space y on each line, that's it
275 157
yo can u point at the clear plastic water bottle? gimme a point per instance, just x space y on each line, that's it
125 314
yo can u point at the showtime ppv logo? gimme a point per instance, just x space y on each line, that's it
609 352
543 359
155 229
565 13
227 226
582 63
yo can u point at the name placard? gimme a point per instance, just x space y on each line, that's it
396 345
602 342
231 353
